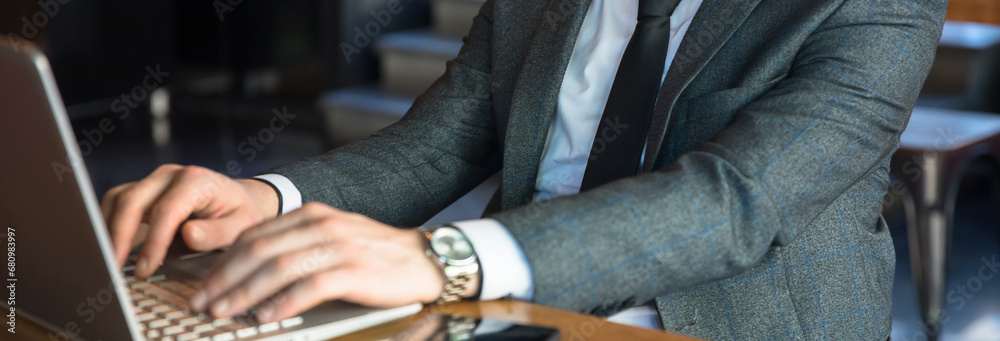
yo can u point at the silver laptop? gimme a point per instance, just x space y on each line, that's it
60 272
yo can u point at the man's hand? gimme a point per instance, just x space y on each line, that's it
213 209
318 253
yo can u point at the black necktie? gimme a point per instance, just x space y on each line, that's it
621 135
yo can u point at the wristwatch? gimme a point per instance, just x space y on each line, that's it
449 246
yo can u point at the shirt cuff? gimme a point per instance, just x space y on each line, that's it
291 198
505 269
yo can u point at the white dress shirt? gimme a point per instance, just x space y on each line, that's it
602 40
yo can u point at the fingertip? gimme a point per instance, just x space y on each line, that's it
220 308
197 232
120 258
146 264
121 255
198 300
194 235
266 314
142 267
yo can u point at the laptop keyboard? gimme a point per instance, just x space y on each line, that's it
163 314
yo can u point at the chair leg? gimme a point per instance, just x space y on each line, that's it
929 215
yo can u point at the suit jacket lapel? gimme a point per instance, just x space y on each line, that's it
712 26
536 95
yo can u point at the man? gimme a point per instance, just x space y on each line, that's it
740 197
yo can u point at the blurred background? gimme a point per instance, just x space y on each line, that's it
240 87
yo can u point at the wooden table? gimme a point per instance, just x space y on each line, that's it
572 326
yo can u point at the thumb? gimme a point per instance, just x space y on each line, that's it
213 233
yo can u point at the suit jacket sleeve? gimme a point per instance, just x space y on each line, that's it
444 146
715 212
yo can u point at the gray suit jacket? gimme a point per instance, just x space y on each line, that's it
758 213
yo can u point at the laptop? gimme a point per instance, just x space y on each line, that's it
60 271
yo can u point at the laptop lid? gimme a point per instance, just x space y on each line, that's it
58 272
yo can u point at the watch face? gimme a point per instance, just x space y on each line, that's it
450 243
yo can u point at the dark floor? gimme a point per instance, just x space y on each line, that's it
204 140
